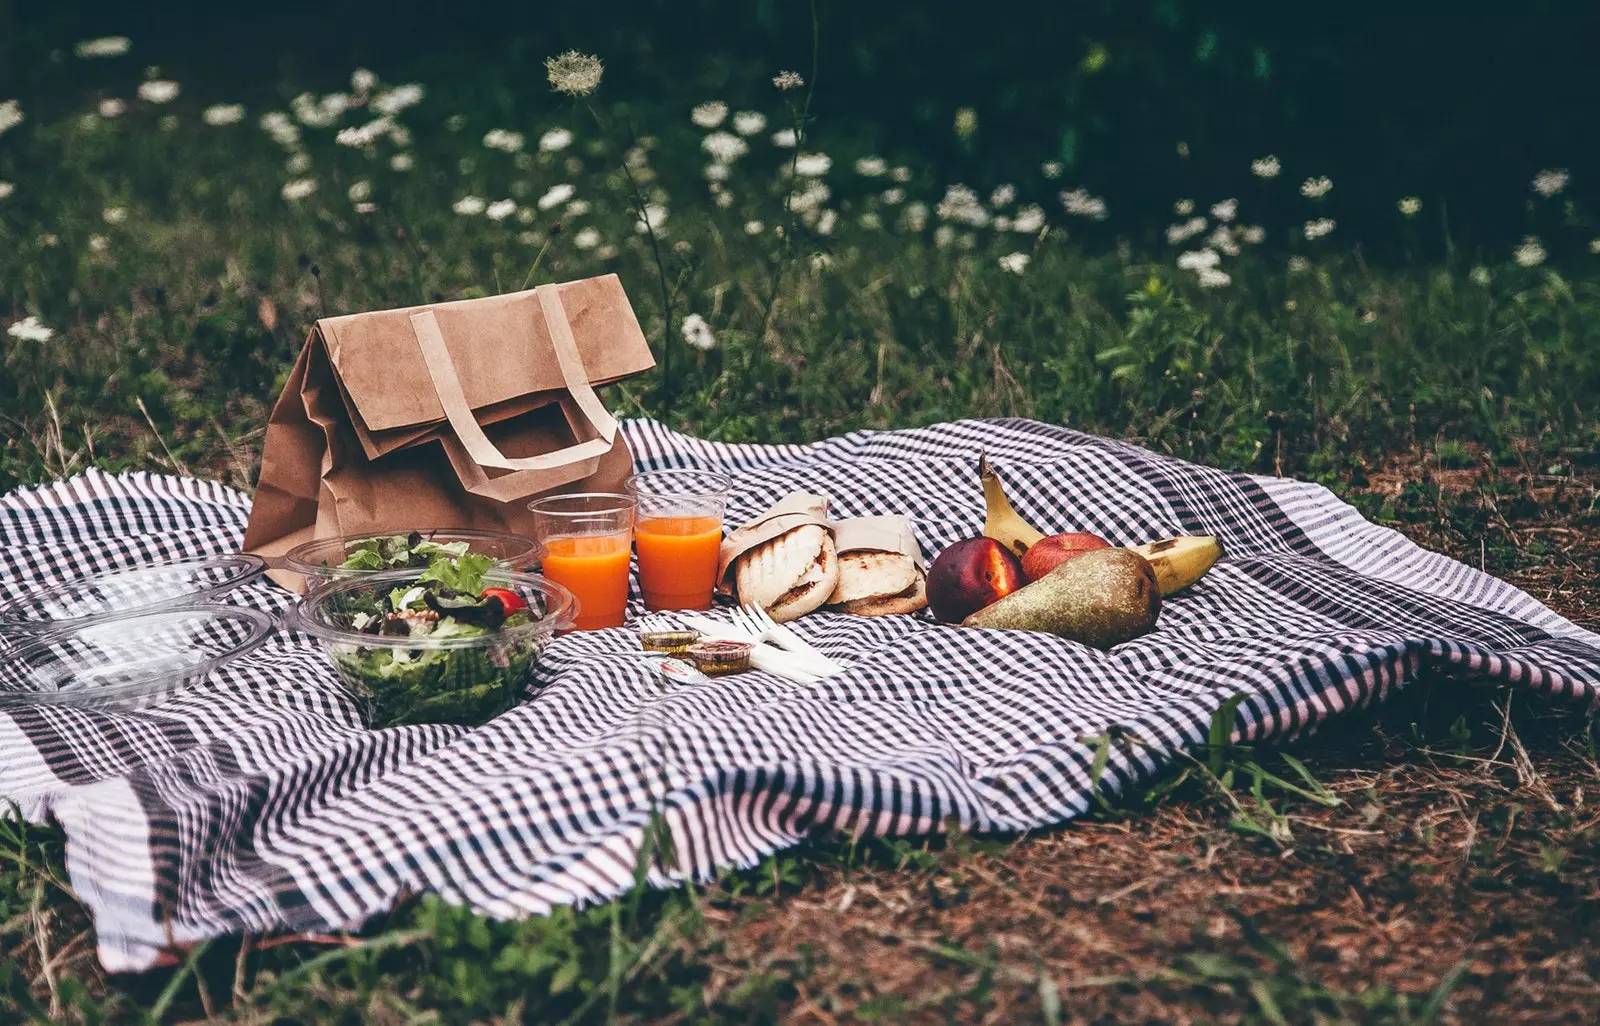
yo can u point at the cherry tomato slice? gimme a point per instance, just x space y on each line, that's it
510 601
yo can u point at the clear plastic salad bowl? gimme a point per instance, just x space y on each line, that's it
131 660
321 560
406 678
69 604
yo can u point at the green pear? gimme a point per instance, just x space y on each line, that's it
1101 598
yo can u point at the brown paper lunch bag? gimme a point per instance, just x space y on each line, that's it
447 415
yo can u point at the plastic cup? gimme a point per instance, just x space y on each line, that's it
587 539
679 535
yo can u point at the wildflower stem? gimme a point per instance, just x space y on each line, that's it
535 267
801 117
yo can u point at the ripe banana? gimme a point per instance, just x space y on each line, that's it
1001 522
1179 562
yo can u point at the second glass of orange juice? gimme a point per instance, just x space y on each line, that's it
679 534
587 544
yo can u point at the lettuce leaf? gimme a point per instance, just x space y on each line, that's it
463 573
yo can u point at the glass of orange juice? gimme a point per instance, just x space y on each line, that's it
679 533
587 539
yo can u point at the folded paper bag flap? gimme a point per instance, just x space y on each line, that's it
793 510
890 533
500 347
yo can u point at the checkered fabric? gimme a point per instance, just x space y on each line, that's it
257 802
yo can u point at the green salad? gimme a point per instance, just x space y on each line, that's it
399 552
412 671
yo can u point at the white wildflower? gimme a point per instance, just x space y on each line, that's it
455 122
812 165
577 208
901 174
525 215
1479 275
754 227
1183 149
1198 259
30 329
749 122
393 101
363 81
1299 265
698 334
586 238
709 114
283 131
114 215
1080 203
1252 234
1223 241
169 123
653 216
1320 227
606 252
1316 188
724 147
715 172
820 262
961 204
1594 245
871 221
556 195
297 164
1029 220
1265 167
469 206
158 91
10 115
1177 233
499 210
555 140
826 221
365 208
359 191
1211 278
1410 206
916 216
466 165
365 135
786 80
724 200
1016 263
322 113
1003 196
813 196
99 243
6 189
1226 210
1549 182
1183 208
223 114
893 196
503 140
1530 253
966 121
784 138
574 73
402 162
105 46
1051 169
943 236
871 167
299 189
112 108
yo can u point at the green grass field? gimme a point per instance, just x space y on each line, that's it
162 257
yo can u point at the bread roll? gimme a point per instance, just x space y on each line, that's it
791 575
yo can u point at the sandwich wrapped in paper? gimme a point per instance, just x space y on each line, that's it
784 560
880 567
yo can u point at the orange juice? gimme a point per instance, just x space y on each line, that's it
594 567
678 560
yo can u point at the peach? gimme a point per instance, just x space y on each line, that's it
1046 554
969 575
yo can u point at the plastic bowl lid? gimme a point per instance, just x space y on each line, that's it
321 558
132 660
68 604
554 608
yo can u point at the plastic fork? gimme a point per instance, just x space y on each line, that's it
759 622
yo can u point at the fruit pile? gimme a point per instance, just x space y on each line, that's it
1077 586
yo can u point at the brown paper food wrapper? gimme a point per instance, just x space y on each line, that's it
891 533
793 510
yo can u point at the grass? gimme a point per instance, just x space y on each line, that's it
1434 863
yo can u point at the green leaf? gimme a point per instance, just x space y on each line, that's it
565 977
463 573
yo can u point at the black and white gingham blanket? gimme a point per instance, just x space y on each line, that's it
257 802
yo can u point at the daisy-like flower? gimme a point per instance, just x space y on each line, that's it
160 90
961 204
586 238
1531 253
1410 206
365 208
1080 203
871 167
1316 188
1594 246
323 113
1213 278
30 329
724 147
1222 240
826 222
112 108
223 114
297 164
709 114
105 46
574 73
1266 167
6 189
1226 210
1177 233
749 122
809 199
698 333
894 196
1003 196
1550 181
1299 265
555 140
299 189
362 136
99 243
363 81
787 80
754 227
525 215
1479 276
653 217
470 206
901 174
499 210
915 216
359 191
715 172
784 139
402 162
393 101
577 208
504 140
10 115
966 122
1029 220
1051 169
872 221
1016 263
284 132
1198 259
812 165
1320 227
114 215
556 195
1183 208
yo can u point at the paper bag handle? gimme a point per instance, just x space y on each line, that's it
531 473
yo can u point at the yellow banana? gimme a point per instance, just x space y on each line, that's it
1001 522
1179 562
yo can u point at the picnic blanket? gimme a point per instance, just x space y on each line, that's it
257 802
